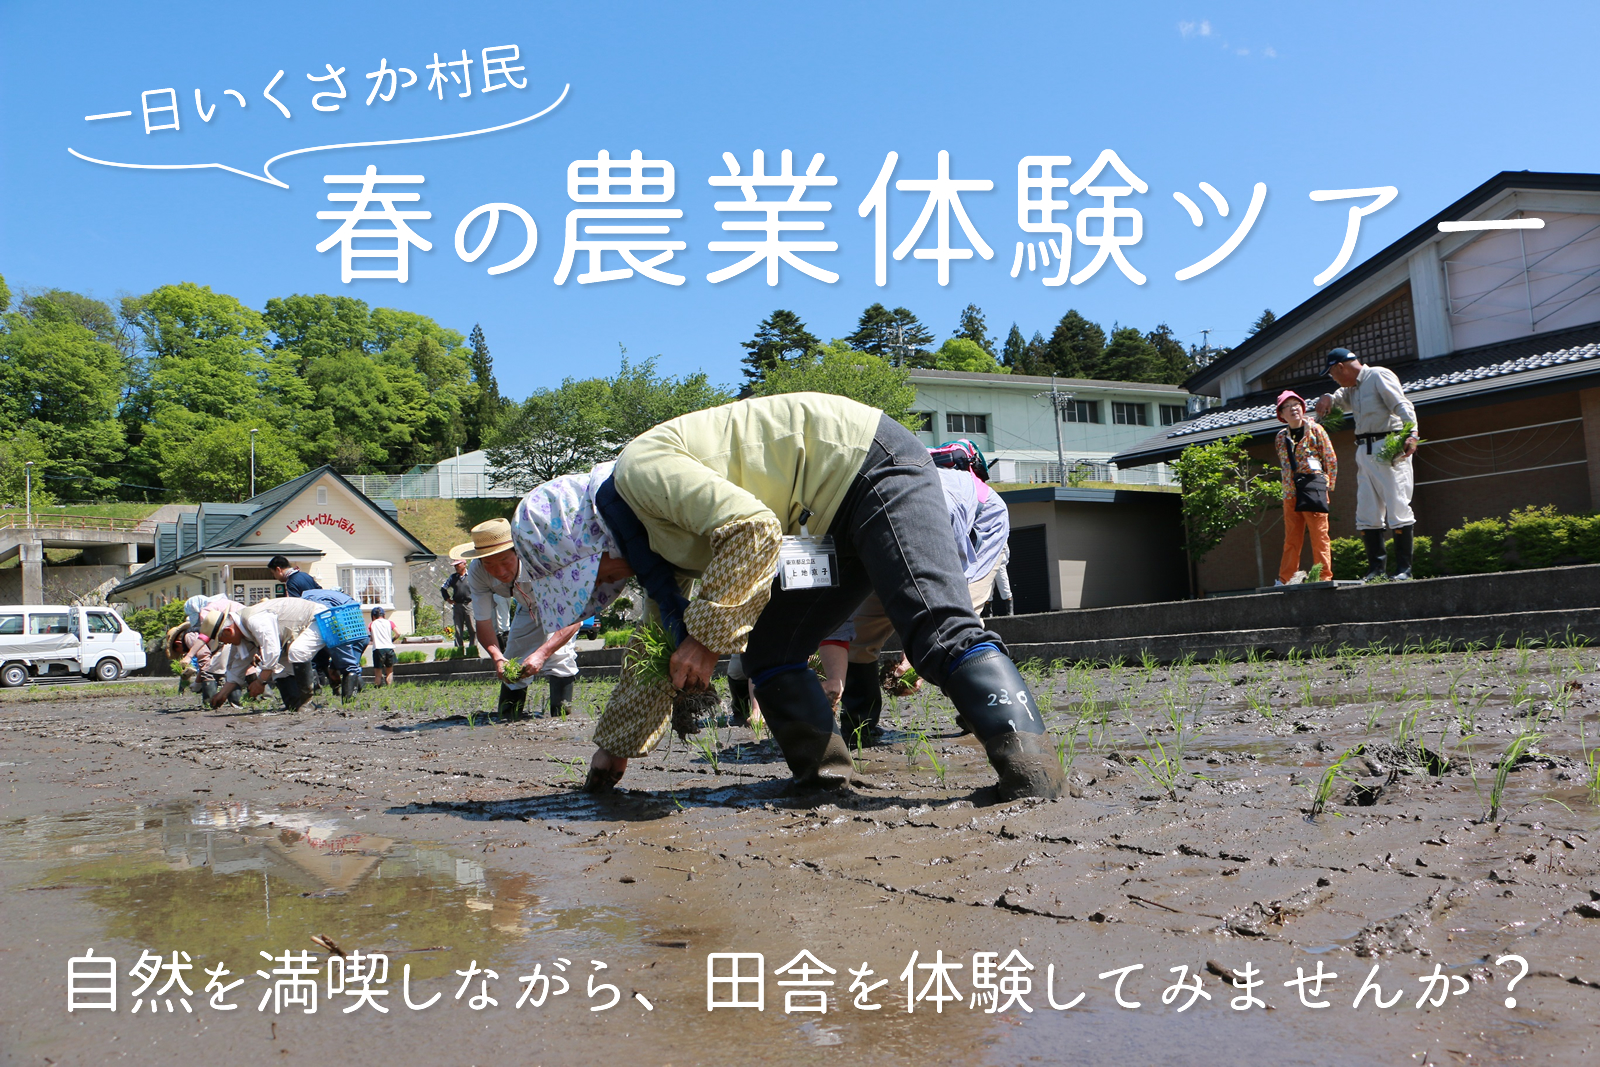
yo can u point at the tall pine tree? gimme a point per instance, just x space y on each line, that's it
972 328
1265 319
1175 362
897 336
780 338
1015 350
1130 357
482 416
1075 347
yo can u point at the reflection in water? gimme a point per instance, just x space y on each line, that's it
227 881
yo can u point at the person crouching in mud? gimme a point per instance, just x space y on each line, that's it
713 495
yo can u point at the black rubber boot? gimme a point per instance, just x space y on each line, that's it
560 695
513 703
1404 544
208 687
800 717
861 706
293 695
349 684
992 698
1002 607
1373 540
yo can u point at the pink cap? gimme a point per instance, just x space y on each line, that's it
1284 397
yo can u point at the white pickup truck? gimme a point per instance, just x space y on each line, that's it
41 640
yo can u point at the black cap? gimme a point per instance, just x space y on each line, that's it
1340 355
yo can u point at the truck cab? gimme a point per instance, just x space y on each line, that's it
43 640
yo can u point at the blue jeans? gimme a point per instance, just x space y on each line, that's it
893 538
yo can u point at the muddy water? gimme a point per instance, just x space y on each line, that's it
408 825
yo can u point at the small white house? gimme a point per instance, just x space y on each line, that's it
320 521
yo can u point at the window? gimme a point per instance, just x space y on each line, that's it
967 424
369 583
103 622
1125 414
10 624
924 421
322 494
48 623
1171 414
1082 411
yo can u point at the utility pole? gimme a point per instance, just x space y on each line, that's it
253 461
1058 406
27 470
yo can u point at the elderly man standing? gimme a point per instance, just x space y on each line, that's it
457 593
1383 490
283 632
493 570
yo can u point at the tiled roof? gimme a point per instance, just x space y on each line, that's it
1487 367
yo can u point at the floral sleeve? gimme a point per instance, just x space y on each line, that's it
1330 459
736 584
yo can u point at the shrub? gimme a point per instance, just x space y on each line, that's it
1424 560
455 653
426 618
153 623
1585 534
1349 558
1476 547
414 656
1543 538
615 638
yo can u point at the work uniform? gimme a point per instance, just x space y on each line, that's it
455 590
1379 407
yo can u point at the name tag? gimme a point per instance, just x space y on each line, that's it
1313 465
807 563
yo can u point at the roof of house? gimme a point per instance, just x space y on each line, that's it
1353 278
959 377
1558 357
254 512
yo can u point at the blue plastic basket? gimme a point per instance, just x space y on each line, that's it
342 625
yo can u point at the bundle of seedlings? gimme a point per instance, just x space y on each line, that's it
897 682
1394 446
648 661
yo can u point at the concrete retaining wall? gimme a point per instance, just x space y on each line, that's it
1471 608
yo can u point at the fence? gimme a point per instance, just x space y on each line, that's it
44 520
429 483
1091 471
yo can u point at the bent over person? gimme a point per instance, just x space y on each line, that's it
713 495
1374 397
283 632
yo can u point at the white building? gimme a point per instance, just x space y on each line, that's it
320 521
1007 417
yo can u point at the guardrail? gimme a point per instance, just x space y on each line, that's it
46 521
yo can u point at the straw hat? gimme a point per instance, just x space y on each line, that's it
211 624
488 539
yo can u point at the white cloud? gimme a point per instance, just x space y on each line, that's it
1270 52
1195 29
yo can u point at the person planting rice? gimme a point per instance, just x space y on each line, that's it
981 524
493 570
282 632
714 495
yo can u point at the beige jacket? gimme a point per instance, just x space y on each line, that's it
1376 402
269 629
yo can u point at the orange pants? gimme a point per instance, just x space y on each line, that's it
1295 525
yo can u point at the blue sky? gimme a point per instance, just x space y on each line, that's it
1430 98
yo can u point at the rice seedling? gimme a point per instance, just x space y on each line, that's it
572 768
1323 790
1161 764
1514 752
709 746
1148 664
1591 766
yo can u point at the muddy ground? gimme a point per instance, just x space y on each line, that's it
399 824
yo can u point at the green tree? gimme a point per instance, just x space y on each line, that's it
1174 362
486 410
62 384
1129 357
213 461
553 432
5 295
1014 353
1075 348
17 449
1265 319
780 338
959 353
203 350
845 371
638 398
971 327
897 336
375 408
316 325
1222 488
